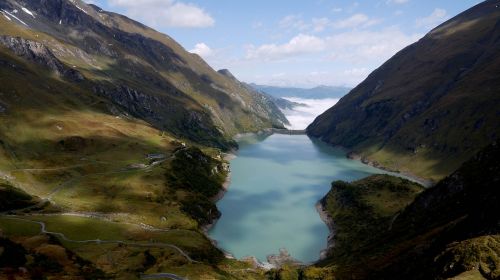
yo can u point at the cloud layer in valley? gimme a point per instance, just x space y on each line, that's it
301 116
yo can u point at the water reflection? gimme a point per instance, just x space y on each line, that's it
276 182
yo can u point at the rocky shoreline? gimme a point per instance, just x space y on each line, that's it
327 219
273 261
225 187
321 205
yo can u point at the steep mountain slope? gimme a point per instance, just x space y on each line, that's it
110 144
450 230
85 157
143 71
430 107
269 103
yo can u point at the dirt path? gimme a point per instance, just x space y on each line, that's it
162 276
144 169
43 230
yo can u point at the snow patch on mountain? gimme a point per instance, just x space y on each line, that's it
28 12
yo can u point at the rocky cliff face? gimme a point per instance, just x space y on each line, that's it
455 225
144 72
430 107
266 105
38 53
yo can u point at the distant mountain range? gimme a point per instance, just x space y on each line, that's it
320 92
432 106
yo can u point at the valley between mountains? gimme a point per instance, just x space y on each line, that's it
117 152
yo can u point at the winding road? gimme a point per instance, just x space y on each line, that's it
43 230
162 276
50 195
65 184
120 171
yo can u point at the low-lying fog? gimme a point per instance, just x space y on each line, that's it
301 116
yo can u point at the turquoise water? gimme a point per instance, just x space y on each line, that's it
275 183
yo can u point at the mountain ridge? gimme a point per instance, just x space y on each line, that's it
121 57
431 106
112 141
449 230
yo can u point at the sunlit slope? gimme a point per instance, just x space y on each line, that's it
79 164
430 107
109 138
145 72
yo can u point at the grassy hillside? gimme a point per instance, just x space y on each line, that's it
43 257
143 71
361 210
387 228
358 213
118 132
87 158
12 198
430 107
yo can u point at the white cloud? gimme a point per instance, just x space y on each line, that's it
202 50
296 23
300 44
354 47
317 25
349 56
355 21
300 117
320 24
396 1
293 22
368 46
187 15
437 17
165 13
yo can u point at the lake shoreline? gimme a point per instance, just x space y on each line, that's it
227 182
355 156
206 228
262 263
328 220
225 187
227 157
320 205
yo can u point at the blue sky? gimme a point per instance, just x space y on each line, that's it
293 43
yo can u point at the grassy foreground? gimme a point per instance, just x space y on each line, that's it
113 176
